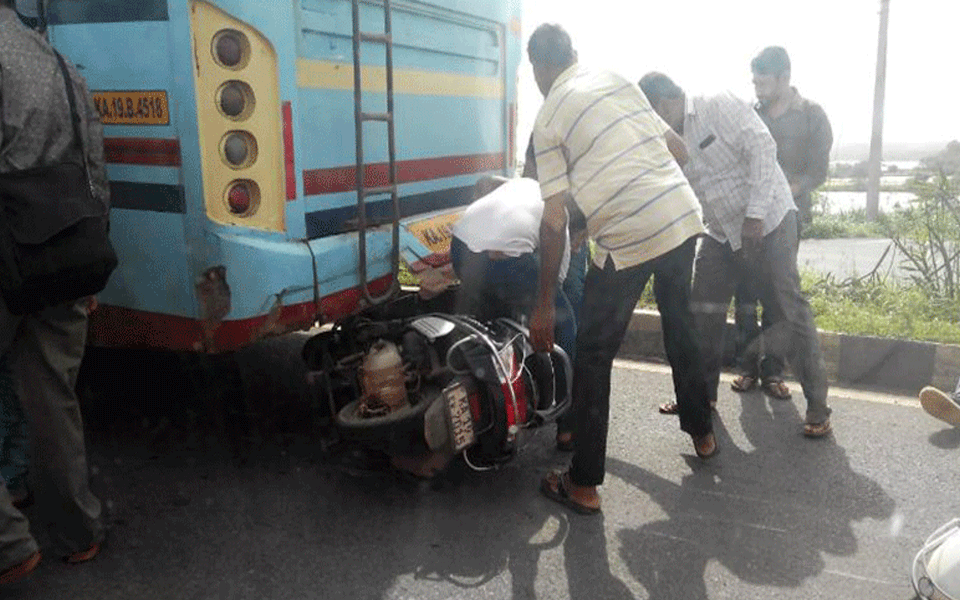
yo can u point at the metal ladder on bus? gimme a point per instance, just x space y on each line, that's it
361 117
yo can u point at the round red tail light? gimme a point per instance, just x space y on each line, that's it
243 197
236 100
231 49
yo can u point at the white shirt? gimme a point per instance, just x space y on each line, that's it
733 167
598 138
507 220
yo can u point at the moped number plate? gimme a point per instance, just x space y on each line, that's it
461 420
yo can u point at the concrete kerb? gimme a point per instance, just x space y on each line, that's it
901 366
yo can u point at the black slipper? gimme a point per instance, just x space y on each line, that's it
562 496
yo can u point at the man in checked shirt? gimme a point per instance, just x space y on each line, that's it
751 223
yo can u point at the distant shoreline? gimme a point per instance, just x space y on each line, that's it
892 151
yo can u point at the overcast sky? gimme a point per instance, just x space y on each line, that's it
706 46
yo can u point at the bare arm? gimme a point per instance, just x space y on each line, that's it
677 147
553 233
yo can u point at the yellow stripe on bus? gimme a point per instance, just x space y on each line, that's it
326 75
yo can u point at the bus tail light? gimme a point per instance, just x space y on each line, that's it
236 100
231 49
239 149
243 197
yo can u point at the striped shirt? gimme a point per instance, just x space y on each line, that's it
733 167
598 138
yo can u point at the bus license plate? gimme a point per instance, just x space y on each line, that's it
132 108
461 420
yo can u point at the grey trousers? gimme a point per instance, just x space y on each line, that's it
792 332
46 349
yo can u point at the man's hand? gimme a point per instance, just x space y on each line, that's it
752 235
577 239
541 327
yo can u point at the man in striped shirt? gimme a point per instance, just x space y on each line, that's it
751 233
600 146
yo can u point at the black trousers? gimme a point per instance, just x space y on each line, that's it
609 299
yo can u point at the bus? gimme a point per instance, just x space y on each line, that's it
271 162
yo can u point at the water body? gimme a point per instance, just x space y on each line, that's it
845 202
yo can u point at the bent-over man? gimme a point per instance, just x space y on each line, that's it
600 146
751 233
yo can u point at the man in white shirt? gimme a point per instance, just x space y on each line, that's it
751 237
494 254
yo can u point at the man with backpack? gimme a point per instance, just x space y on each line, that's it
39 125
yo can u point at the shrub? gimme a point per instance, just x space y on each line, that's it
927 233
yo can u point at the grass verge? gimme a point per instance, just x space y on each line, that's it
871 308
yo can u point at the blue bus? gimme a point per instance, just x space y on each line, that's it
244 136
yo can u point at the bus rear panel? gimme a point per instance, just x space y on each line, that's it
232 154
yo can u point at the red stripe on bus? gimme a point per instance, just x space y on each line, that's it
343 179
142 151
119 327
288 151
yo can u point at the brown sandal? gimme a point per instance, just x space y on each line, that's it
776 388
705 446
743 383
672 408
817 430
554 487
669 408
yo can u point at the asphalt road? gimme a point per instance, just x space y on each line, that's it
851 257
773 516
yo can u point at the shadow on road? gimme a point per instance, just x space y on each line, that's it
946 439
767 515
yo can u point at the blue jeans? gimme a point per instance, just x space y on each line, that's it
576 275
507 288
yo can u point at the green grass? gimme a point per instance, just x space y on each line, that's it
843 225
881 309
871 308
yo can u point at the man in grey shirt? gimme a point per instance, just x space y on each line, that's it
802 132
46 347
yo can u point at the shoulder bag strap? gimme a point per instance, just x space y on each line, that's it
75 118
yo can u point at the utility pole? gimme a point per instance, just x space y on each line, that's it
876 141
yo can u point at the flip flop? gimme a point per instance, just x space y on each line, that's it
777 389
672 408
669 408
817 430
743 383
553 486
